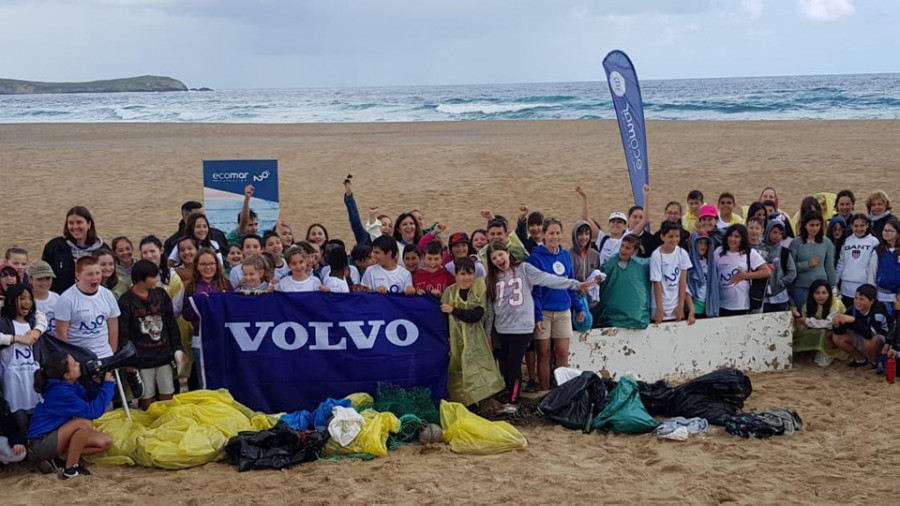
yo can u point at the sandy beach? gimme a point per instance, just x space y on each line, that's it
134 177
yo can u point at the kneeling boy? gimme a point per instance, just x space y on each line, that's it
862 329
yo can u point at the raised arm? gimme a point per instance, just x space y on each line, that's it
359 232
595 227
641 225
245 210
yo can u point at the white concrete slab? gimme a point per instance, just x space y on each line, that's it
677 351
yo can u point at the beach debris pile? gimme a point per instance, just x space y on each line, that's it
629 406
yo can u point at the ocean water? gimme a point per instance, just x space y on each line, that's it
868 96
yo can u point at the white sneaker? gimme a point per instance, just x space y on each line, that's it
509 409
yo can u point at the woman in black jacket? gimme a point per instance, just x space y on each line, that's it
79 239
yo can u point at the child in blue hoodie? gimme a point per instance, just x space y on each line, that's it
702 278
553 308
61 426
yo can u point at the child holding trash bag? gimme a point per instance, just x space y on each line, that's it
61 427
473 375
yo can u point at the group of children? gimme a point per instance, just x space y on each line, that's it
509 297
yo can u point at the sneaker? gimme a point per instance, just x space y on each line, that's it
509 409
854 363
71 472
531 387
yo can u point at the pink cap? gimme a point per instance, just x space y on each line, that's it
708 210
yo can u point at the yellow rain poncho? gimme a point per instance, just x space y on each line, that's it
473 374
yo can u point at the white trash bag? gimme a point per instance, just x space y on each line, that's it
345 424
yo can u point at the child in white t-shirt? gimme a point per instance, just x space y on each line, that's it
299 280
386 276
339 277
669 266
87 314
41 275
734 276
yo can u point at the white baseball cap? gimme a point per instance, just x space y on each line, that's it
618 216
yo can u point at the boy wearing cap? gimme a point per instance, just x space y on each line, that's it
609 243
42 276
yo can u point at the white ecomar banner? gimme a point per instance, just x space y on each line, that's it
678 351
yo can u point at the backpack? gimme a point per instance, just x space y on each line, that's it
785 254
602 243
757 289
888 277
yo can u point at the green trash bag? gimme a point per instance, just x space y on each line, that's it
624 413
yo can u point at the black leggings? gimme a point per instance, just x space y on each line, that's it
512 351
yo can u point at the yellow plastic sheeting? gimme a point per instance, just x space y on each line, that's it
467 432
360 399
190 430
371 439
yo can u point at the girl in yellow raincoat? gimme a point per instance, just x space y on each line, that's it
473 374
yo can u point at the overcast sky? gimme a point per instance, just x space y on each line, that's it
311 43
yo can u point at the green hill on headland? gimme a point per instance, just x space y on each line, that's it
128 84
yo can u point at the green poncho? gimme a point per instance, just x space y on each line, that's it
625 295
473 374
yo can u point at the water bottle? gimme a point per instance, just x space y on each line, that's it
891 372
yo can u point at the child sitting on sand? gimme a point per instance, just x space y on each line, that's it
814 321
861 331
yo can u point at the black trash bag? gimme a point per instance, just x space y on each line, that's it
47 345
569 403
656 397
277 448
715 396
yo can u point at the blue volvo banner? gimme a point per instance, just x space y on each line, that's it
224 182
626 97
291 351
